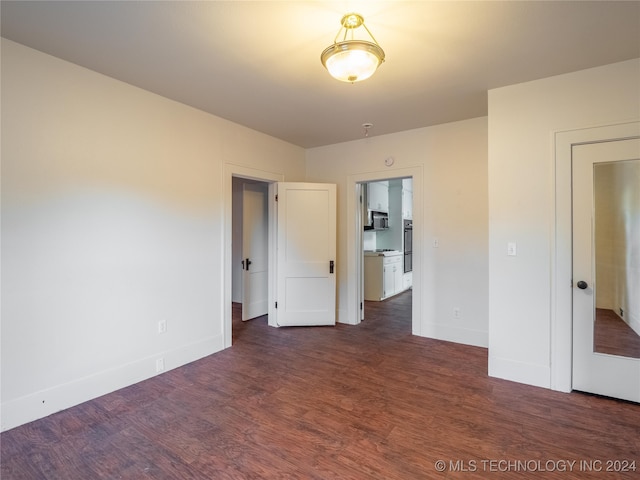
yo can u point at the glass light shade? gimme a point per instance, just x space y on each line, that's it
352 60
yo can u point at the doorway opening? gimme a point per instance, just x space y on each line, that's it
357 244
250 247
387 239
351 313
293 231
241 175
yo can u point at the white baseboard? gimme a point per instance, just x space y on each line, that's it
343 317
527 373
476 338
45 402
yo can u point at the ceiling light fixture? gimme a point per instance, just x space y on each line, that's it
352 60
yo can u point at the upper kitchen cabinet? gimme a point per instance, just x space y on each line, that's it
378 196
407 198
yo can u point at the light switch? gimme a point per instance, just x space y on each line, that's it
511 249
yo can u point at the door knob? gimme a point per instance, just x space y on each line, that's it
582 284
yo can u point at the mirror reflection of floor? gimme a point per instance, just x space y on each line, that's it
612 335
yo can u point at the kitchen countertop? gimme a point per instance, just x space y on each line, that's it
382 253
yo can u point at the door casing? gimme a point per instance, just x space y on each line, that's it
230 171
355 274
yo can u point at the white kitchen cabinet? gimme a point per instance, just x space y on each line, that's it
392 277
383 276
407 204
407 280
378 196
407 198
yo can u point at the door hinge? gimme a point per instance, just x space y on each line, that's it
276 304
276 197
361 305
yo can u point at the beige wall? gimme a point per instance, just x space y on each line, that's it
112 219
452 159
523 122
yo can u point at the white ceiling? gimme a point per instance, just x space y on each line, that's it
257 63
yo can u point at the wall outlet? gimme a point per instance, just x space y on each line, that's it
456 312
162 326
512 249
160 365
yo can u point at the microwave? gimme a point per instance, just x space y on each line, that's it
377 221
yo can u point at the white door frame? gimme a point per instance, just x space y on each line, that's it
230 170
355 294
561 252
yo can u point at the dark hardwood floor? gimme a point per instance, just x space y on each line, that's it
613 336
345 402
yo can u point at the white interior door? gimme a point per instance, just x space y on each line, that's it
606 266
254 250
306 254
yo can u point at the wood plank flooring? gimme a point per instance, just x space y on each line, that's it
345 402
613 336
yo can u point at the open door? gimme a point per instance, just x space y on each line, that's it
306 254
606 268
255 251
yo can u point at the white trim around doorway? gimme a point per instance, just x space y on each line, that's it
230 171
354 242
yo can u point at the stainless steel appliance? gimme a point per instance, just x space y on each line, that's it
408 245
377 221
